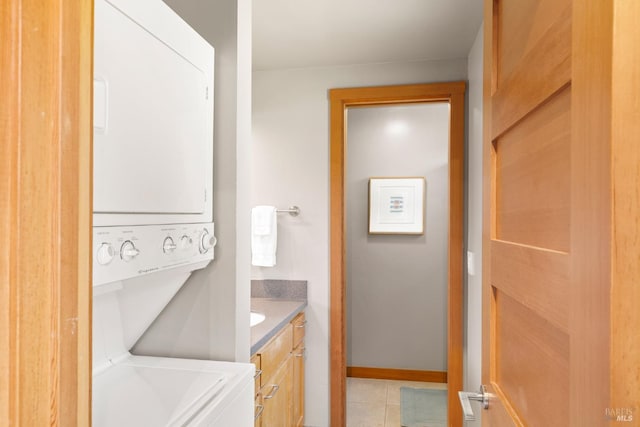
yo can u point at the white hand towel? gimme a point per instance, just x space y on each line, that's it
261 219
264 236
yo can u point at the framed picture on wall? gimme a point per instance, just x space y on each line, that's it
396 205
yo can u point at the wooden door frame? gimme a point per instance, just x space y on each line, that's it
340 100
46 60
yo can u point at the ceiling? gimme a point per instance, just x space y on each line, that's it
312 33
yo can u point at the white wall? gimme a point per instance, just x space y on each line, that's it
243 182
290 165
397 284
209 317
473 295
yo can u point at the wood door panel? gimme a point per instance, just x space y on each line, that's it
503 415
538 277
533 177
518 35
531 67
532 367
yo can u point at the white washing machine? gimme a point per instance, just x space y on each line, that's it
138 270
153 224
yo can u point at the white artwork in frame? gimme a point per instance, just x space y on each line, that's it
396 205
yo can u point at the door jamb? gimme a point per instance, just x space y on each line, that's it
46 56
340 99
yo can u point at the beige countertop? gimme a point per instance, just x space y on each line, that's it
278 312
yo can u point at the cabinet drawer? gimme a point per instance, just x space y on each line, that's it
275 352
299 324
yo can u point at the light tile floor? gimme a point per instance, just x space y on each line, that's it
376 403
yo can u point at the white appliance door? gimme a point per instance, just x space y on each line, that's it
150 107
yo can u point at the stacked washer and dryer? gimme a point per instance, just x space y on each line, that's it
153 223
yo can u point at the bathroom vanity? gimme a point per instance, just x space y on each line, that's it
278 352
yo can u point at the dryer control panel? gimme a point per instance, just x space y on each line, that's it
124 252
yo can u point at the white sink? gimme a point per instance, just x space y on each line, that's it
256 318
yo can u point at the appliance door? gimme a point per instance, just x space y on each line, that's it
159 391
152 121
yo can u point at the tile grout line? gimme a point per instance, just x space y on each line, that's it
386 405
386 401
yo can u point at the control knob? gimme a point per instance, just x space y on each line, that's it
207 241
105 253
168 245
185 242
128 251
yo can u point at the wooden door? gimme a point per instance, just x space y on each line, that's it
551 114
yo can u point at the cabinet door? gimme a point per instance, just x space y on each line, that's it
298 385
259 411
276 395
256 360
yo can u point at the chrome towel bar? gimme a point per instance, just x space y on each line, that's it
293 210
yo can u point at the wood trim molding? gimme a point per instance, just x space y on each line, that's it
455 293
625 319
397 374
340 100
45 220
489 84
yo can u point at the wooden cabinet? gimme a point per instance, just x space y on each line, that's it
259 406
280 379
259 410
298 358
276 395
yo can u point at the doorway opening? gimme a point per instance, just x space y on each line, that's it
341 99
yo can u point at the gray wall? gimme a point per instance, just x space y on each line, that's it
208 318
397 284
473 294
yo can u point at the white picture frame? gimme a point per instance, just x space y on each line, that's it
396 205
